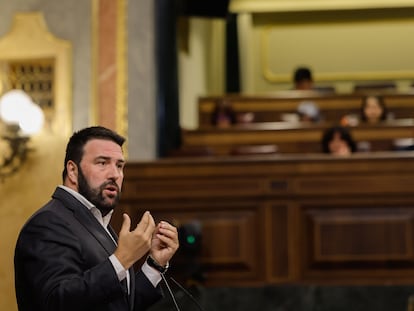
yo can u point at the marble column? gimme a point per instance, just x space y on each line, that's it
124 62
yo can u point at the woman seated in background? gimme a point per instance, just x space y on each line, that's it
373 109
338 140
223 115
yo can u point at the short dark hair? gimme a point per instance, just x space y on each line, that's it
223 108
344 133
74 148
302 74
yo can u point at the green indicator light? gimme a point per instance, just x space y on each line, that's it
191 239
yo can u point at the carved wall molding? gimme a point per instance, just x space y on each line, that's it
34 59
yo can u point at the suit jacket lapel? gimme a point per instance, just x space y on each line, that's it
86 218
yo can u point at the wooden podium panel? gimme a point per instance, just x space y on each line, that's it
358 242
351 235
286 219
231 234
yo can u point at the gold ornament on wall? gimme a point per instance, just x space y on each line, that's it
35 88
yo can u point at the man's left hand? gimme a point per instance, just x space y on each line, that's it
164 243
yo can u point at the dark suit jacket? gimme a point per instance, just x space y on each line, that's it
62 263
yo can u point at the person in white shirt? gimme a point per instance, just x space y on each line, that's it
68 257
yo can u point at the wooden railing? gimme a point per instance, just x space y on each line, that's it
271 108
295 137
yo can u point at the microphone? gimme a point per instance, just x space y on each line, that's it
186 292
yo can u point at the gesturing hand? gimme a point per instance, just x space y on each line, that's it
164 242
132 245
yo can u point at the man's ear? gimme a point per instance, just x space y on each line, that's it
73 172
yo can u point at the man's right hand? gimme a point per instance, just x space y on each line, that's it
133 245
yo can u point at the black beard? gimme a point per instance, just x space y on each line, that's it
95 196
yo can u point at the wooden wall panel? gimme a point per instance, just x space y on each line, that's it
191 187
352 235
231 236
356 239
362 184
280 237
280 219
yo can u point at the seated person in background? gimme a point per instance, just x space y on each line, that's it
338 140
223 115
302 79
245 118
308 112
373 109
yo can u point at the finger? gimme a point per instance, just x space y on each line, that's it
167 229
126 224
145 222
167 242
151 225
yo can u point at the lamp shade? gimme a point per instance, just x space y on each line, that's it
32 120
17 108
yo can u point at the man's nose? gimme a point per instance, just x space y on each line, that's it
114 171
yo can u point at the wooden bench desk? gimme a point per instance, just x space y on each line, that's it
271 108
294 137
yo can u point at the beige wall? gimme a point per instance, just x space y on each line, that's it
341 49
342 43
200 64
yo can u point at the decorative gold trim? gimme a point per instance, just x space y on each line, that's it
263 6
30 38
94 108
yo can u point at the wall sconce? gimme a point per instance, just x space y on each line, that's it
20 118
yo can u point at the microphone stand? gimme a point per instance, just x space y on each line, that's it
170 292
186 292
